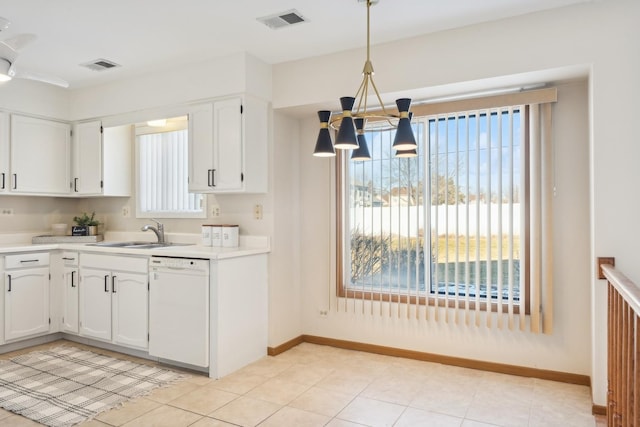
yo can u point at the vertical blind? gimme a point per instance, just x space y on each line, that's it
460 233
163 173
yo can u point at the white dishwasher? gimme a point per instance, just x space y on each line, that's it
179 310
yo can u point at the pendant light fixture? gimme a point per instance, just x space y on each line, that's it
346 122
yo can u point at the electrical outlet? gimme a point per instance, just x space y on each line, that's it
6 211
257 212
215 211
323 313
125 212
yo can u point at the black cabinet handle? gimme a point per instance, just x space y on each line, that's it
3 174
75 184
209 177
29 260
9 276
106 283
15 181
72 275
213 180
113 284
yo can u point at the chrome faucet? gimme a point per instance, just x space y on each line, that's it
159 230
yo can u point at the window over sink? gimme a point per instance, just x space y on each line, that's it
162 171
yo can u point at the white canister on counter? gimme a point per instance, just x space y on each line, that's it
216 235
206 235
230 234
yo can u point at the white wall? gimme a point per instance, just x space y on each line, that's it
35 98
600 37
223 76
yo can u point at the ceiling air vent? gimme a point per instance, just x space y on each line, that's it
282 19
100 65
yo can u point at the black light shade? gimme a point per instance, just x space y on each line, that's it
324 146
346 138
403 154
362 152
404 139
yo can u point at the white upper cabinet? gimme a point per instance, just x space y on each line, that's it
101 160
228 146
40 156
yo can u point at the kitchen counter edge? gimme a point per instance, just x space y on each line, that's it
191 251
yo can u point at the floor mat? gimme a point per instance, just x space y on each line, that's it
64 386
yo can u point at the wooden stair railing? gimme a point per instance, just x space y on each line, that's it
623 352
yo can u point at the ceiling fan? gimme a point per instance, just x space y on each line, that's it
9 50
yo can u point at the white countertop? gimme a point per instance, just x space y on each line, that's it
249 245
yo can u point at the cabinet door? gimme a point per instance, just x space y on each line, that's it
70 300
95 303
26 303
116 161
87 158
201 167
40 156
227 145
130 309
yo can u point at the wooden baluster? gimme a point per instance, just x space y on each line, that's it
610 352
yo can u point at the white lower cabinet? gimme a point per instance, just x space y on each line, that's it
26 295
114 293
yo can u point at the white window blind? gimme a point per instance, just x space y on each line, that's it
460 233
163 176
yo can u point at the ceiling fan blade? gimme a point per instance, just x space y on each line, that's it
4 23
17 43
44 78
7 52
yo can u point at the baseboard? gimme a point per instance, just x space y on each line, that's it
436 358
598 410
274 351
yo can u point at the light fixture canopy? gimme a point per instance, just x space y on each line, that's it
344 122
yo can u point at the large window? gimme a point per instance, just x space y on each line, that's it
162 172
452 227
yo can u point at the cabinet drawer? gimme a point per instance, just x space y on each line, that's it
26 260
115 262
70 259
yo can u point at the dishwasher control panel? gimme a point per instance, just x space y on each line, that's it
179 263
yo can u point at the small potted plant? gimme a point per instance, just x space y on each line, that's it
85 225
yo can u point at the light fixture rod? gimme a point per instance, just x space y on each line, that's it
369 33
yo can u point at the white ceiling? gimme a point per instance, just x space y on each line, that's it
148 35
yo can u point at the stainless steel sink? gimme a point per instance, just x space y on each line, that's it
137 245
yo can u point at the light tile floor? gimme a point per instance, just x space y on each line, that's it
313 385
